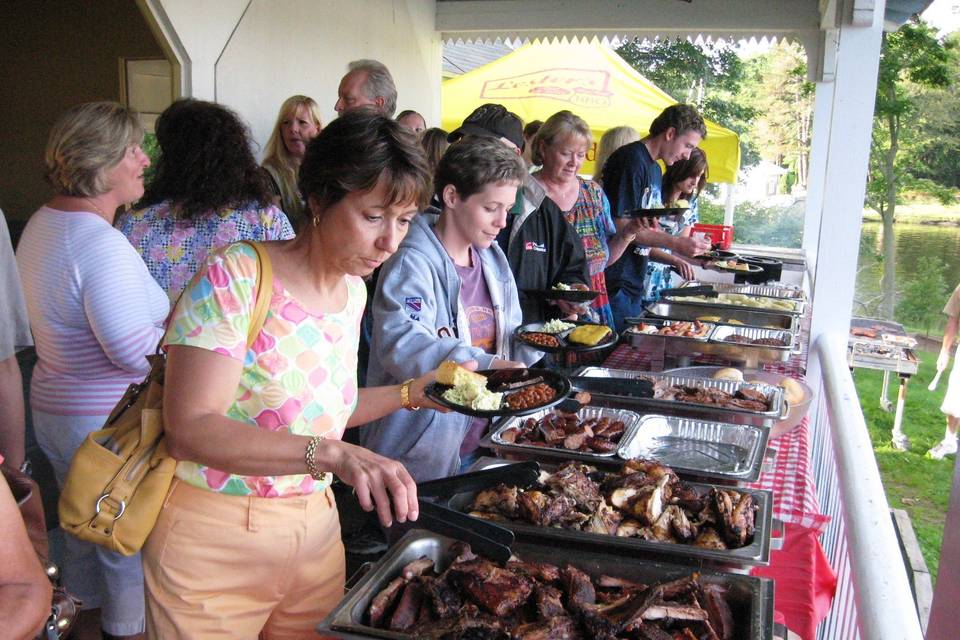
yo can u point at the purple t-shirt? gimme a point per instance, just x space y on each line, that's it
475 297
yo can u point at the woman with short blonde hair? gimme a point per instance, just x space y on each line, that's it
96 314
560 146
298 122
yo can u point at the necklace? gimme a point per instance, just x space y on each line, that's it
96 208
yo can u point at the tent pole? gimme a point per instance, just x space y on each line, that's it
729 206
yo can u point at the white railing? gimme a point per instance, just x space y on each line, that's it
873 599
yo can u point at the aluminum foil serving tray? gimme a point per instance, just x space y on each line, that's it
675 310
757 553
774 394
719 346
799 306
697 447
751 598
531 451
766 291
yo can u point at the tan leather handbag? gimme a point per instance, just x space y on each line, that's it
120 475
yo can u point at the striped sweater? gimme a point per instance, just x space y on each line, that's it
94 310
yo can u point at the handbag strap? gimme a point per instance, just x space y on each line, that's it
264 291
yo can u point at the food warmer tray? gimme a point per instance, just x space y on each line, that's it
752 353
799 305
528 451
716 450
757 553
749 317
681 345
751 598
761 290
777 411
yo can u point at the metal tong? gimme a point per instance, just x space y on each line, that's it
484 537
683 292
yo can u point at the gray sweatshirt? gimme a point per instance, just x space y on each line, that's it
418 322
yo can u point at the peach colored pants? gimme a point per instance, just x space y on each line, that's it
220 566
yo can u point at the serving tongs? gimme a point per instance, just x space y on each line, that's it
683 292
484 537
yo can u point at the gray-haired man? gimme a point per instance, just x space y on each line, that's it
368 82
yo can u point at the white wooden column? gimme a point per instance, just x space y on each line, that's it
843 123
195 33
817 176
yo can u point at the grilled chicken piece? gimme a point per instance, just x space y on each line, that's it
688 499
469 622
679 524
562 511
531 505
661 610
649 503
604 520
622 496
708 539
736 511
660 530
752 394
500 499
628 529
650 468
551 430
384 601
575 441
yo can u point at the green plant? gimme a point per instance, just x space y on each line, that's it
754 223
152 149
919 304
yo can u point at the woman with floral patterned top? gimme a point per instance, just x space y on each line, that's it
248 542
207 192
560 146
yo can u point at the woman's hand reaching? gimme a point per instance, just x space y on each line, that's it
380 483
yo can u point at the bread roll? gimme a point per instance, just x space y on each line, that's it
729 373
449 372
792 390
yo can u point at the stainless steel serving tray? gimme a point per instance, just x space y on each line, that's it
638 339
751 598
757 553
496 441
762 290
696 447
749 317
752 353
799 306
775 399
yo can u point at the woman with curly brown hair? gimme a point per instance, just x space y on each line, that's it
207 192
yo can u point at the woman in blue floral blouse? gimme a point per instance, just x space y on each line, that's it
207 192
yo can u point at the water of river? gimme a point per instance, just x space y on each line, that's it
912 241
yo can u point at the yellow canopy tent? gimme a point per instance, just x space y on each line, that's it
588 79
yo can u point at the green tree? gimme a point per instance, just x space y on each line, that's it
912 57
777 86
920 303
709 75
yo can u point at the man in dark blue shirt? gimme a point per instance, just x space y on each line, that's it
631 180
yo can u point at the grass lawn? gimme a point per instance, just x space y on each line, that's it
913 482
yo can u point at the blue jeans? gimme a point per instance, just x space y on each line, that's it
625 306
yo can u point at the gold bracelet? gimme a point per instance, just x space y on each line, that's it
310 457
405 396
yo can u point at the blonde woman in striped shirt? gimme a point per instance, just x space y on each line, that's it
96 313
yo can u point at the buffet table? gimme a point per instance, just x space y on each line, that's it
804 580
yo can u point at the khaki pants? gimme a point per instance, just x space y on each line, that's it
220 566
